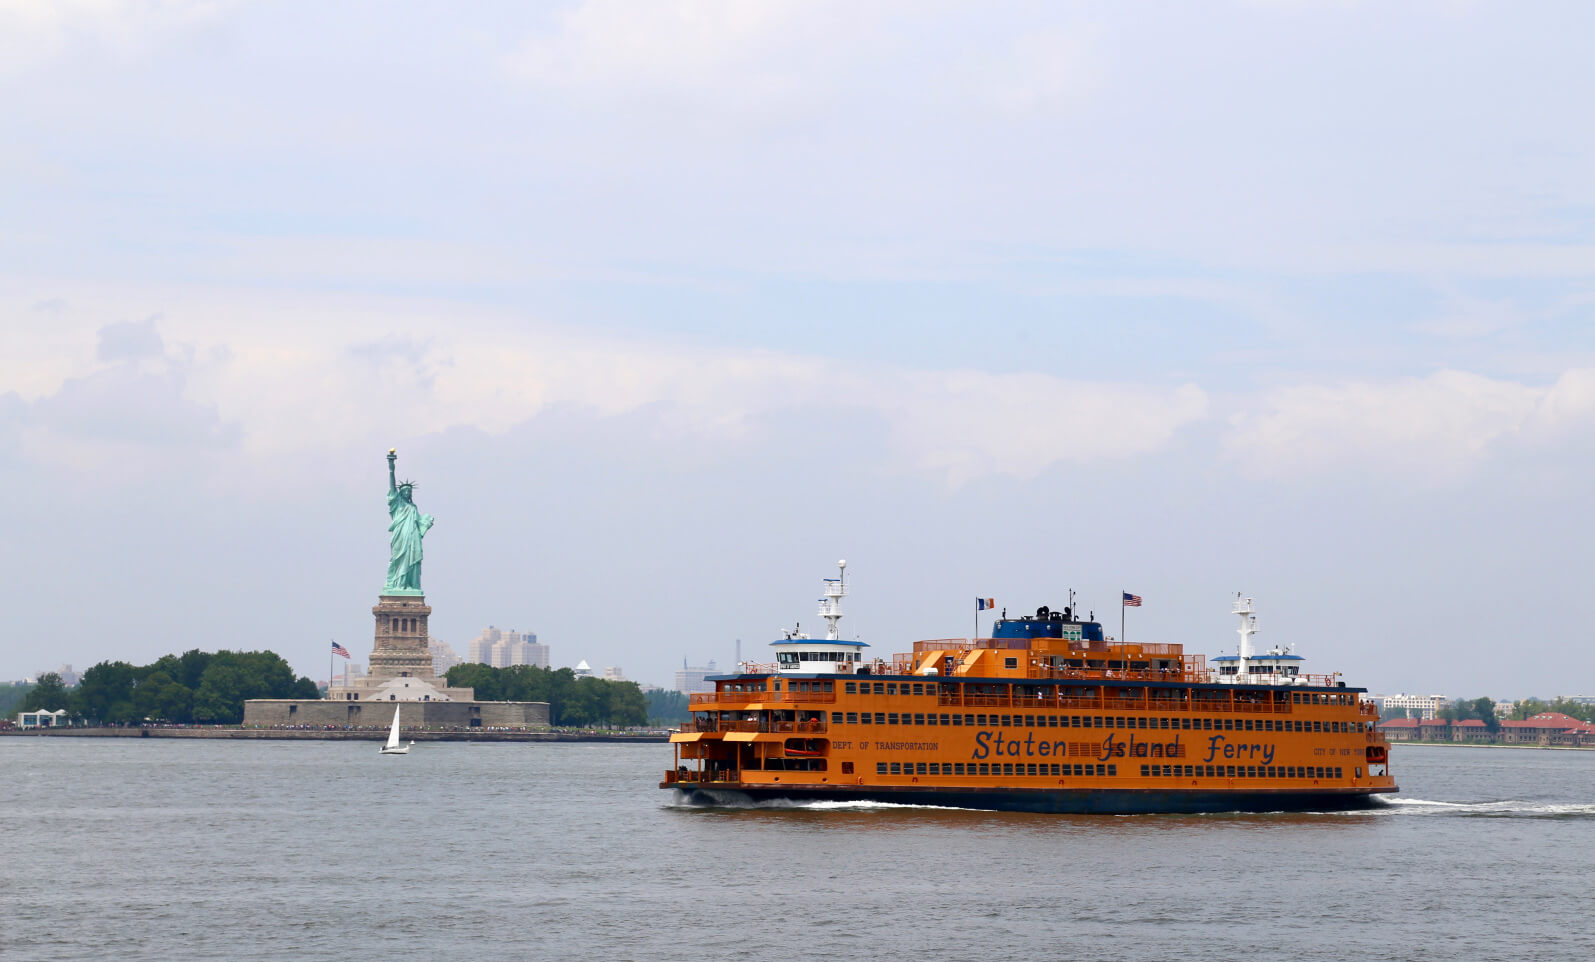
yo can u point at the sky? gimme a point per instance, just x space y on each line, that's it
667 306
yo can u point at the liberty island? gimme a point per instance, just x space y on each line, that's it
401 662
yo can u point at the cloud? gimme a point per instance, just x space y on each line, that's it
1446 421
122 405
129 340
33 32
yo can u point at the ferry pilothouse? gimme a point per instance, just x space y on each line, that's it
1048 714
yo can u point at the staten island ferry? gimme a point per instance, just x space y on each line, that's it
1046 715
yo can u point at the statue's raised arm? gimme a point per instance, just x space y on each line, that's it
406 527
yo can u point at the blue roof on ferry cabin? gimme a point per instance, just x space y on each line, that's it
1260 658
809 642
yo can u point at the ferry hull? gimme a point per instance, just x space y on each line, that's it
1095 801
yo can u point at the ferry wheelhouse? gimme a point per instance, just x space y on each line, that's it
1048 714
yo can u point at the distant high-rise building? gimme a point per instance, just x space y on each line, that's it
1420 706
502 649
613 673
690 679
443 656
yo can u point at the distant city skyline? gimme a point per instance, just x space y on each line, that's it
669 306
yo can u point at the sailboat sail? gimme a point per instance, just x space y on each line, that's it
393 733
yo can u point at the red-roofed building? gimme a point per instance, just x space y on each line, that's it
1546 728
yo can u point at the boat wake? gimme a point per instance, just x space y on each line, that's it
1507 808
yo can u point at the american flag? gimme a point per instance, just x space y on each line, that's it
1132 601
338 649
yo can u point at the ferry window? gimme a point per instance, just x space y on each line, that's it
1007 768
891 688
1030 721
897 768
828 686
880 688
880 718
919 769
836 718
847 768
957 719
1052 721
851 688
918 718
891 718
1030 769
1229 771
1071 721
1010 663
1338 773
880 768
930 719
969 719
1112 769
985 769
1055 768
1357 771
919 688
1185 723
1229 724
944 719
1318 726
935 768
852 718
980 720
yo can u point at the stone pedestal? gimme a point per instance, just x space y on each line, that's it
400 650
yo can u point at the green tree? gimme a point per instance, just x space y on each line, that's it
160 698
105 694
49 693
482 678
220 697
1484 711
1527 707
666 707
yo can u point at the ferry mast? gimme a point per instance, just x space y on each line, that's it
1248 628
831 604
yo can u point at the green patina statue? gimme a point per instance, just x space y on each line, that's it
405 531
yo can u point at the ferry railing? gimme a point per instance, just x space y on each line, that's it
812 726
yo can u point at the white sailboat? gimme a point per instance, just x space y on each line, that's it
393 747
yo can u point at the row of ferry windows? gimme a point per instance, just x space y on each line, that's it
1184 723
1242 771
992 768
921 688
889 688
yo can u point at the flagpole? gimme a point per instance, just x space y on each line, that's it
329 669
1122 666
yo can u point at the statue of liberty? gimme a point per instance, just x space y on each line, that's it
406 529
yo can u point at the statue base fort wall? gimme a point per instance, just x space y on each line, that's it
379 714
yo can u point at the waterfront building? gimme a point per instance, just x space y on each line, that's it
1547 728
583 670
42 719
613 673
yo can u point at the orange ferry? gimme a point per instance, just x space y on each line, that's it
1047 715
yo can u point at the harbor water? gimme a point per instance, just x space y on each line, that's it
134 849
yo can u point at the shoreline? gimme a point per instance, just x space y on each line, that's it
296 734
1546 748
